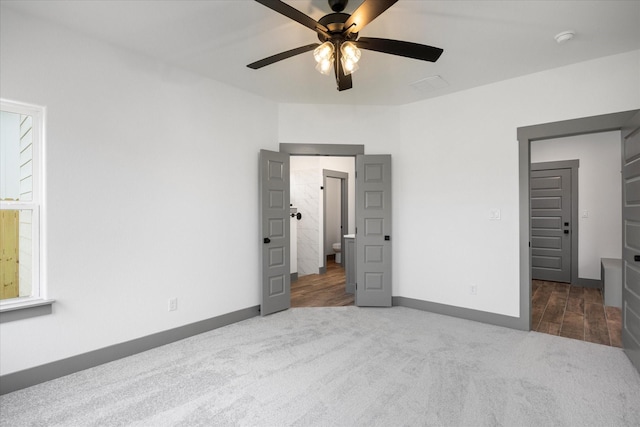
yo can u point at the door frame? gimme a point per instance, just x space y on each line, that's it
344 209
585 125
336 150
332 150
630 250
573 166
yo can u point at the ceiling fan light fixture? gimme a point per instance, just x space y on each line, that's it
339 30
323 55
349 50
349 58
348 66
323 52
324 66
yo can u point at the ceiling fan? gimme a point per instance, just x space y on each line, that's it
338 32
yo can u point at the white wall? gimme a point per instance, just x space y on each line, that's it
305 196
139 210
599 193
455 158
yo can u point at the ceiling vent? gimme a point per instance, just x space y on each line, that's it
430 84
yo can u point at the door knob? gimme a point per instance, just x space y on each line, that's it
267 240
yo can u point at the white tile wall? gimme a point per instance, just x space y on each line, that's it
305 195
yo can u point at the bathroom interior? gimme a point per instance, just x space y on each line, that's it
322 212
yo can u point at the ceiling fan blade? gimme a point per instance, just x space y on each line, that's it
282 55
343 82
296 15
365 13
400 48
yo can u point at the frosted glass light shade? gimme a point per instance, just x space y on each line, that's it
349 58
324 66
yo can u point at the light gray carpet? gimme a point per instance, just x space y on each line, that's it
346 366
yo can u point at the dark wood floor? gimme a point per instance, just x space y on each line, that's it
574 312
321 290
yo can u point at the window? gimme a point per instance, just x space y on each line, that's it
21 144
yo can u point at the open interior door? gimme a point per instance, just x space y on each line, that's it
274 232
373 230
631 239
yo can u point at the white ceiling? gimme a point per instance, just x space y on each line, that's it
483 41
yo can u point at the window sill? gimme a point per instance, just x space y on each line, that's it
25 309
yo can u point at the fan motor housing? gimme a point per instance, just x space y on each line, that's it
338 5
335 23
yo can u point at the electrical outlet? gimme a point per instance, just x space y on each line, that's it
173 304
494 214
473 290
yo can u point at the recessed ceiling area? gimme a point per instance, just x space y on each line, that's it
483 41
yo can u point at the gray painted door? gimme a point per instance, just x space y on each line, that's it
274 231
631 240
373 230
551 225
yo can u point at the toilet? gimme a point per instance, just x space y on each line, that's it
337 248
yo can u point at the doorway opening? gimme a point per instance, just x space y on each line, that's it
323 206
575 221
569 175
371 251
540 132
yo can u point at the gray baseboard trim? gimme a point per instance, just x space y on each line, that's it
322 270
463 313
294 277
589 283
39 374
